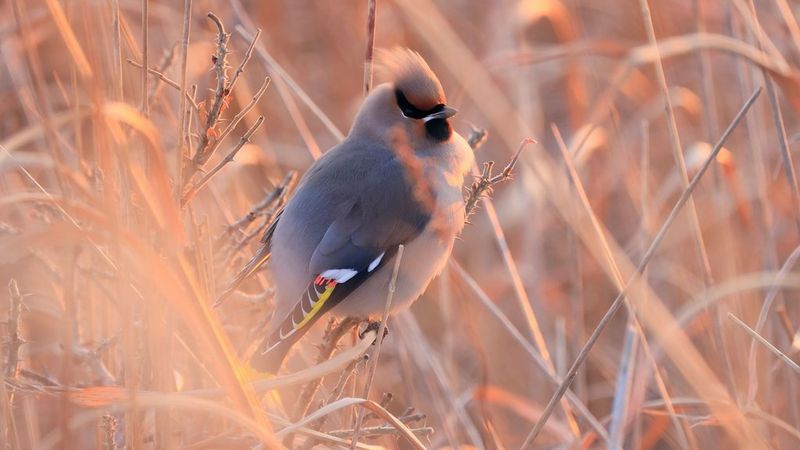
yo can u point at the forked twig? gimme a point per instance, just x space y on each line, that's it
486 182
210 138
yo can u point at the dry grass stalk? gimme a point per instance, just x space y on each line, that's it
76 179
15 340
619 300
183 129
273 65
381 335
334 333
371 11
782 356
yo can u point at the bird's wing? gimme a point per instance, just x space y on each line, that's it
365 235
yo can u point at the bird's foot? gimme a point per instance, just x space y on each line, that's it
373 325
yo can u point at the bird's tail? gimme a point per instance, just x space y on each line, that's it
270 361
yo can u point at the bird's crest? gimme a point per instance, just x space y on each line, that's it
411 75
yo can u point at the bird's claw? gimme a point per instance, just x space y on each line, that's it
373 326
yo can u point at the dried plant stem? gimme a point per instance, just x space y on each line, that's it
326 349
648 255
195 188
183 123
273 65
15 340
789 362
381 430
377 353
116 43
240 68
633 321
766 306
335 395
486 181
677 150
529 348
783 141
217 102
334 333
168 81
280 191
145 57
211 147
371 9
715 331
484 184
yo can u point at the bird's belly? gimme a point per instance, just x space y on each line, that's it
423 259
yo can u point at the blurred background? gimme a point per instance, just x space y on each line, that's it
111 258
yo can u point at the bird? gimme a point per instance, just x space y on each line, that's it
396 179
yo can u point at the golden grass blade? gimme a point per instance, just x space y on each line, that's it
73 46
367 404
170 401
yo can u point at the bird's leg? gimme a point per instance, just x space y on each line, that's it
374 325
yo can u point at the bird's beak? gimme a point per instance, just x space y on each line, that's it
446 112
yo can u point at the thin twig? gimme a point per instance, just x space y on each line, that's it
109 429
145 45
371 8
211 147
381 430
218 99
183 123
240 68
648 255
335 395
486 181
633 320
273 65
195 188
15 341
163 65
329 343
675 141
116 42
168 81
259 208
381 331
516 334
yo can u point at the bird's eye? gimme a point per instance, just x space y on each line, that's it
408 110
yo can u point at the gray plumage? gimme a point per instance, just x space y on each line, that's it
396 179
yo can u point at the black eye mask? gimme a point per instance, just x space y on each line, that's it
411 111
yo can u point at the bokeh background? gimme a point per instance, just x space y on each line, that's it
110 334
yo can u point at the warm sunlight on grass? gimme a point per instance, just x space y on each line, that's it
630 283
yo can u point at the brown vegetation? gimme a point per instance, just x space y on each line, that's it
632 287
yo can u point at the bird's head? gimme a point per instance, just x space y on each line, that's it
410 97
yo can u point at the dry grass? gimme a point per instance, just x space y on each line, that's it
632 287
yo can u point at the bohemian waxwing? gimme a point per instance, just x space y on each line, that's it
396 179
